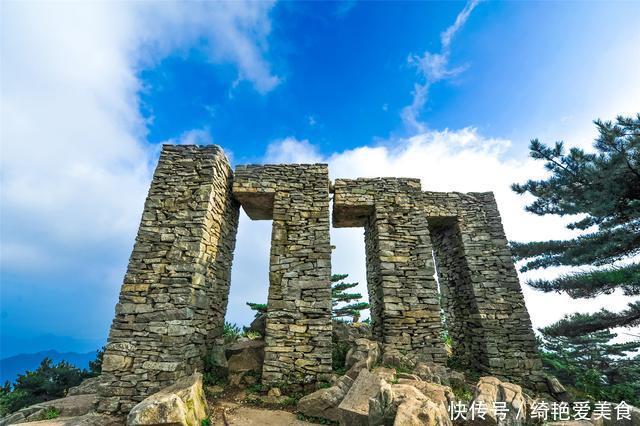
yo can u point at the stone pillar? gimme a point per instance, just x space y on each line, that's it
485 309
298 329
400 270
174 296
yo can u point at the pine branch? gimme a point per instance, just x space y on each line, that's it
594 283
579 324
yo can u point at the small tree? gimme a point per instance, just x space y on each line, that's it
259 308
603 188
340 296
592 366
48 381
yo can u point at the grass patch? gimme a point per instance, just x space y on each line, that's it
50 413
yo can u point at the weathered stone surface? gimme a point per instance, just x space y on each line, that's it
483 302
490 390
91 419
245 356
437 393
385 373
557 390
174 296
259 324
298 324
70 406
354 408
182 403
416 412
632 420
324 403
88 386
363 350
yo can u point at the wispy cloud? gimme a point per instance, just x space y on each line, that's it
75 163
432 68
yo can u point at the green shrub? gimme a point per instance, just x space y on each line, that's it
48 381
50 413
231 332
339 356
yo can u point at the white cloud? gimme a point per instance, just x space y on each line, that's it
450 160
432 68
291 150
75 166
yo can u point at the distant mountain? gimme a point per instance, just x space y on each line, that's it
12 366
15 343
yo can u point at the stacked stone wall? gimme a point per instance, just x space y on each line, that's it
298 325
485 310
174 296
173 299
400 268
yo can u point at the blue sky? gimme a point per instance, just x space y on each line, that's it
450 92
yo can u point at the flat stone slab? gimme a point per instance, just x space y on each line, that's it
354 408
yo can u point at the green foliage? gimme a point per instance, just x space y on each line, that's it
50 413
48 381
603 190
213 373
339 296
95 366
205 422
260 308
462 393
231 332
339 356
592 367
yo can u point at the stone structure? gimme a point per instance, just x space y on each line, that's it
173 300
298 331
406 232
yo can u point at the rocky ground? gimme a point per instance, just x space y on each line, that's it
377 388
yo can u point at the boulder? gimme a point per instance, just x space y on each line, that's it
87 387
246 355
91 419
634 420
364 350
324 403
431 372
259 324
439 394
416 412
557 390
490 390
348 332
386 374
70 406
354 408
182 403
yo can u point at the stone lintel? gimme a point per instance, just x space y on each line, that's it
354 199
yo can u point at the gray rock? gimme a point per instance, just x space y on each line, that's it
354 408
490 390
180 404
417 412
88 386
324 403
363 350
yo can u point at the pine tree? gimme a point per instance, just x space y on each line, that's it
603 188
338 296
593 367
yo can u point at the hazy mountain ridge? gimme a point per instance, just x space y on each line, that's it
12 366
